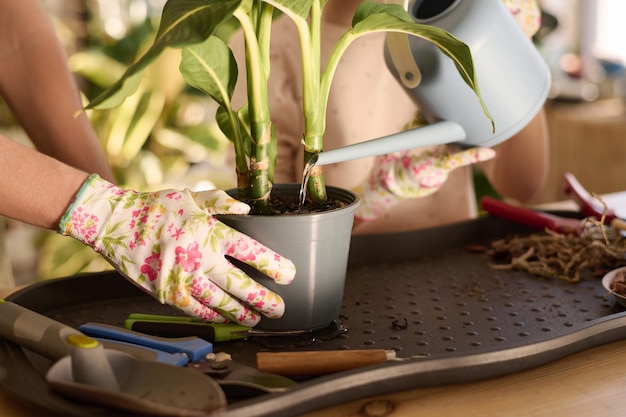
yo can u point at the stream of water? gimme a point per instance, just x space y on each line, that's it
306 173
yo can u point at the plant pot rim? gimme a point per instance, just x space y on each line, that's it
344 195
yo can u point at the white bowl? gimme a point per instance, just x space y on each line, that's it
608 279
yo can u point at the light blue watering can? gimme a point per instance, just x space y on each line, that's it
512 76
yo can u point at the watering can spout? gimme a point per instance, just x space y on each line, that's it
437 133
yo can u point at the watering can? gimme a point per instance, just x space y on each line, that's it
513 78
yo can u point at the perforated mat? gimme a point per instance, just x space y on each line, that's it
420 293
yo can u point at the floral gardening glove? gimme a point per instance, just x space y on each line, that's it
402 175
527 13
169 244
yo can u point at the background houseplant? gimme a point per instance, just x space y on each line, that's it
163 136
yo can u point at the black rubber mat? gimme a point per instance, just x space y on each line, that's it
422 294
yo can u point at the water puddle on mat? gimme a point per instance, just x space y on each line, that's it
334 331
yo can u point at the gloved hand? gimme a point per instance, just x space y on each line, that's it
169 244
403 175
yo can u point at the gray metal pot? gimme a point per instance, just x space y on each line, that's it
318 244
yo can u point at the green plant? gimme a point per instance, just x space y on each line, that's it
208 65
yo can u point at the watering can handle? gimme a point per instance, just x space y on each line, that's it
401 55
402 58
438 133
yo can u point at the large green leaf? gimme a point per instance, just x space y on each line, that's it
211 68
236 128
183 22
369 7
293 8
232 129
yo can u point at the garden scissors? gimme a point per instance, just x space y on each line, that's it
177 326
236 379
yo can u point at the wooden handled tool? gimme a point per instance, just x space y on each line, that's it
311 363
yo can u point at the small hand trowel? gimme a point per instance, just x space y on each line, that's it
87 372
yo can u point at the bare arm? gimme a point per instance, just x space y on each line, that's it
35 188
41 91
520 168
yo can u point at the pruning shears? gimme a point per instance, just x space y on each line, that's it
178 326
236 379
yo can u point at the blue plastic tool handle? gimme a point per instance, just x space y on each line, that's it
194 347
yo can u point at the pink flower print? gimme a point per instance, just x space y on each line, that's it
203 289
114 189
174 231
137 240
243 250
257 299
152 266
85 224
174 195
405 161
136 213
432 180
229 248
251 297
259 249
144 219
421 166
139 217
208 314
384 176
247 314
188 259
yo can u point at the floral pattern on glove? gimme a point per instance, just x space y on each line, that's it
169 244
405 175
526 13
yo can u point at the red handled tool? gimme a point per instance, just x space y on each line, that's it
588 204
532 218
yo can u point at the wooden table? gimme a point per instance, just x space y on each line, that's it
589 383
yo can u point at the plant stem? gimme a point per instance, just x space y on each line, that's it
257 62
314 116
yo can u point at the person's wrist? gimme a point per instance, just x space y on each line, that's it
90 206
